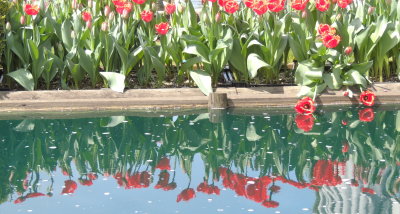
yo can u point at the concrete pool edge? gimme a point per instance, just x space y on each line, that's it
174 100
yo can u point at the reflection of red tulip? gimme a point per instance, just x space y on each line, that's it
368 190
70 187
345 147
163 164
86 182
324 173
305 122
92 176
275 188
208 189
270 204
257 192
65 172
163 181
19 200
170 186
34 195
186 195
366 115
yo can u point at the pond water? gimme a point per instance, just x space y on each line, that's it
330 162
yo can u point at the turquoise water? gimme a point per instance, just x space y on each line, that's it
331 162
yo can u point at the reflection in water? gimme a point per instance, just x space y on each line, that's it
350 159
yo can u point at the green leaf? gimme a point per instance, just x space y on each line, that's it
17 48
333 79
24 78
33 50
116 81
297 50
307 73
380 29
202 80
362 67
356 77
66 29
190 62
198 49
255 62
237 60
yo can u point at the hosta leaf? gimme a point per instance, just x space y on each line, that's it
24 78
255 62
202 80
116 81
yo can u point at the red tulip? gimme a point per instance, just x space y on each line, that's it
186 195
22 20
305 106
270 204
367 98
86 16
139 1
366 115
231 6
276 5
343 3
325 29
344 122
322 5
260 7
162 28
70 187
212 0
31 9
170 9
146 15
331 41
163 164
120 6
324 173
250 3
222 2
299 4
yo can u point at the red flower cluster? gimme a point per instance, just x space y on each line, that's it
70 187
326 173
299 4
186 195
276 5
146 15
121 5
322 5
259 6
231 6
366 115
329 38
30 195
31 10
368 190
305 106
163 164
163 182
162 28
208 189
367 98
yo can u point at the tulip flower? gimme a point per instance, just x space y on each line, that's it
162 28
31 10
305 106
367 98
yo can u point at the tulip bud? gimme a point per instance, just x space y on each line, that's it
60 47
180 8
104 26
74 4
90 4
154 6
89 24
304 14
107 10
371 10
8 26
218 17
22 20
348 50
125 14
111 16
338 16
73 34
